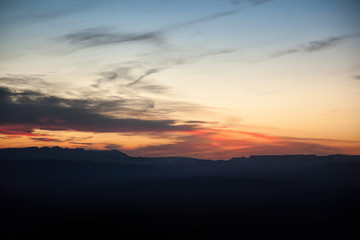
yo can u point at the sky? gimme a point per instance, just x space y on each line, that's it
210 79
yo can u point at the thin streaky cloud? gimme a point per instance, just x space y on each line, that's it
147 73
40 10
112 146
152 88
124 78
114 75
93 37
258 2
18 80
46 139
118 73
314 46
254 2
100 36
202 145
199 20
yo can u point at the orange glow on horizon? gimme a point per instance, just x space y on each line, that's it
210 143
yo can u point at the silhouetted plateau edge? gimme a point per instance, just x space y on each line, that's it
107 156
112 165
58 191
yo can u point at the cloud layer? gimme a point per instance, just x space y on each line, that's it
314 46
31 110
254 2
93 37
100 36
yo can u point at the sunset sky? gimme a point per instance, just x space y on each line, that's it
203 78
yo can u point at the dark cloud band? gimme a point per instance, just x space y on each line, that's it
35 110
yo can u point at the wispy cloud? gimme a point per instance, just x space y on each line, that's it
16 129
215 144
46 139
111 96
113 147
254 2
118 73
93 37
129 78
34 110
100 36
152 88
12 80
17 10
200 20
147 73
26 82
207 146
314 46
122 74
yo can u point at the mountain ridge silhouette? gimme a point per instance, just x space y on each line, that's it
59 192
89 154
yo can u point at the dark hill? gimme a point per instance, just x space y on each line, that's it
55 193
77 154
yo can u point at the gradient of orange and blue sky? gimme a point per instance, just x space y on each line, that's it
203 78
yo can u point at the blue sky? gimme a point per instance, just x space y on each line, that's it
215 69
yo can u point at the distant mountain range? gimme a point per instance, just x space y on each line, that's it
59 192
107 164
80 154
115 156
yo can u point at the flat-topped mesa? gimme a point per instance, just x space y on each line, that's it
62 153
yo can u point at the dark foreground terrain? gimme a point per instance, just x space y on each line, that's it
54 193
